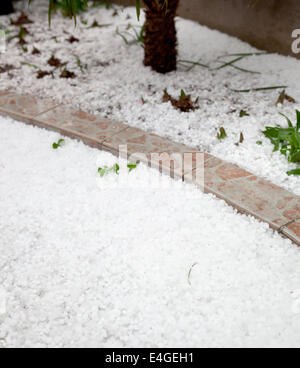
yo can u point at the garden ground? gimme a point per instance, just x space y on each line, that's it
83 264
109 79
87 262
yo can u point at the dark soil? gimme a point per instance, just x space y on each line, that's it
95 24
22 42
67 74
73 39
53 61
23 19
184 103
42 73
6 68
36 51
284 97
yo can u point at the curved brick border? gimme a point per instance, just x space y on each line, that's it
241 189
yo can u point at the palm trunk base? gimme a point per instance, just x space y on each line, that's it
160 42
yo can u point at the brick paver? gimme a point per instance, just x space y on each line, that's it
240 188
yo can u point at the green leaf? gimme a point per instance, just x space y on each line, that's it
298 119
50 11
182 95
102 172
257 89
222 134
58 144
288 120
287 140
138 9
131 166
116 169
294 172
295 157
30 65
243 113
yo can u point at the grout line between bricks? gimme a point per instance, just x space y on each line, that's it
115 134
288 224
44 112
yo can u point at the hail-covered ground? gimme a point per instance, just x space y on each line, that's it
145 261
110 80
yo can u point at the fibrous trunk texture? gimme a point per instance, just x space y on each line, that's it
160 35
6 7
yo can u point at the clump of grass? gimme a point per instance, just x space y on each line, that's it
105 4
286 140
188 65
131 39
23 32
77 7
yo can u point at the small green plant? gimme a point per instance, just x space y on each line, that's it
136 38
115 169
106 170
58 144
222 134
286 140
243 113
131 166
23 32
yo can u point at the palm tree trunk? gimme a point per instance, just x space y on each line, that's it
160 35
6 7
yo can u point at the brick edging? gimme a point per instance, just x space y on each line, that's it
244 191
